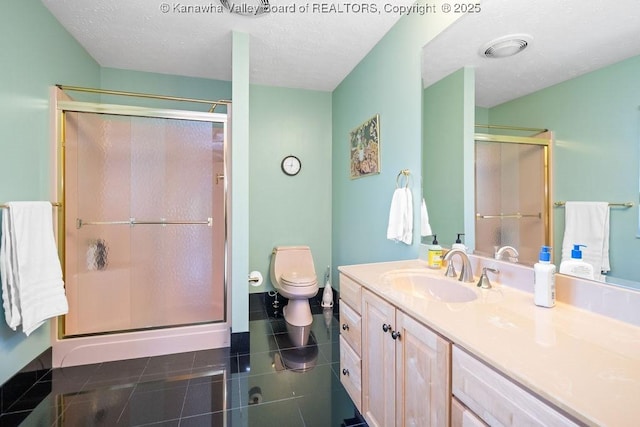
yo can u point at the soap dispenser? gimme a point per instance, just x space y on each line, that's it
576 266
544 279
458 244
434 254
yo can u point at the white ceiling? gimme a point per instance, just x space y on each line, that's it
570 37
311 50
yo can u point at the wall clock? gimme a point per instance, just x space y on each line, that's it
291 165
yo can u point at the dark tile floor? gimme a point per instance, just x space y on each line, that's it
274 384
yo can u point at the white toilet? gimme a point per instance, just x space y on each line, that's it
294 277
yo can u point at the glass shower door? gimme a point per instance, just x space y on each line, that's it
144 223
511 197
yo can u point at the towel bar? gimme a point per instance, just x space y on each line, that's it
55 204
516 215
624 205
132 221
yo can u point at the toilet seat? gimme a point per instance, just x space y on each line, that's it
295 279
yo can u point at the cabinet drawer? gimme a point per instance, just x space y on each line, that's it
461 416
351 292
497 400
351 327
350 373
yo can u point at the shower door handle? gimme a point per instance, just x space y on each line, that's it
219 177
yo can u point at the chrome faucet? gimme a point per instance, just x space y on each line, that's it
509 250
466 275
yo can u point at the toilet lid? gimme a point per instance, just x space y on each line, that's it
296 279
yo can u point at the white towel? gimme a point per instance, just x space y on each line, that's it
587 223
32 286
400 228
425 227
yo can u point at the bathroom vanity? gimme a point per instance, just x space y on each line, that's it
417 348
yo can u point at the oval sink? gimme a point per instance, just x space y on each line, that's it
423 284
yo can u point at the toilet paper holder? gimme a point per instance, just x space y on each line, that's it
255 278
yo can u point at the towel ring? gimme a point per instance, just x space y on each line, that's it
406 173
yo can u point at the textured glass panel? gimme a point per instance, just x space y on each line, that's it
172 179
122 277
510 181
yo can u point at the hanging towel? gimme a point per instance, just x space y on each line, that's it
587 223
425 227
400 228
32 286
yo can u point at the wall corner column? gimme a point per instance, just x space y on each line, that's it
239 287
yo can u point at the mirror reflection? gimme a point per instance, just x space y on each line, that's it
580 84
511 193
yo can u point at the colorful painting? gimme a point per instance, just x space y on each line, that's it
365 148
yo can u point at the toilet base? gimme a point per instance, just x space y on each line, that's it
297 312
298 335
297 316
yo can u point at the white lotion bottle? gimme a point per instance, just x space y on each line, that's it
576 266
544 280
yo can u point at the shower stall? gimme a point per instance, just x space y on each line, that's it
512 194
143 231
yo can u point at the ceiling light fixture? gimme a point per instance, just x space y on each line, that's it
506 46
246 7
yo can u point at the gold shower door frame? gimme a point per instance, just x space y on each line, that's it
64 107
542 138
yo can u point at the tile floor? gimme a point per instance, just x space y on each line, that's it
273 384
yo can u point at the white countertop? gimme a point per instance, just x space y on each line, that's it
586 364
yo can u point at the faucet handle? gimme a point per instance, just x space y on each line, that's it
484 282
451 269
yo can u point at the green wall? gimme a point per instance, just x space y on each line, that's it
445 106
165 84
386 82
36 54
596 122
289 210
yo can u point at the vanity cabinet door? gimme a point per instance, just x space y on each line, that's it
422 375
378 361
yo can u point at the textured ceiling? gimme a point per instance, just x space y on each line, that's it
569 38
312 49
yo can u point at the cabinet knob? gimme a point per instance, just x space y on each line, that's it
386 328
395 335
345 327
345 372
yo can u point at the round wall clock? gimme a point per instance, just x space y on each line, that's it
291 165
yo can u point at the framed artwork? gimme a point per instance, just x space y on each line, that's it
364 144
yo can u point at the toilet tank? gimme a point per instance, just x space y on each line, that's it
292 259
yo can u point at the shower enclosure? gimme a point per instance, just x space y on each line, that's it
512 192
143 228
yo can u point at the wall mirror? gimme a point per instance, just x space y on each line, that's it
576 81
